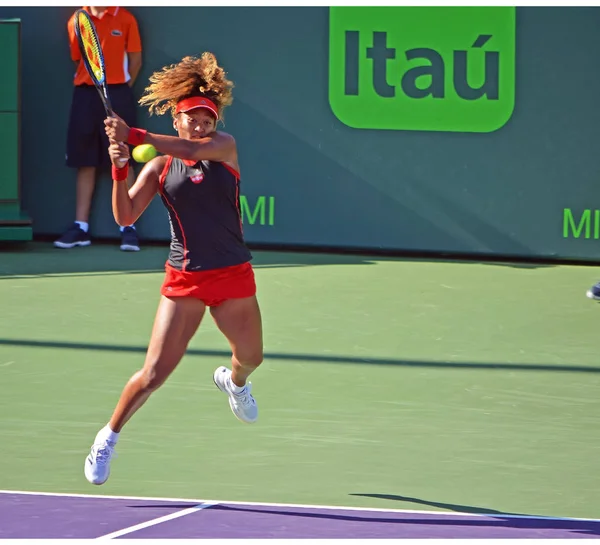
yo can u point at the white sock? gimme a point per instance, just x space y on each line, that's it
235 388
84 225
108 435
123 228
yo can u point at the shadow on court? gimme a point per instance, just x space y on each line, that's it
313 358
500 518
449 506
496 521
42 259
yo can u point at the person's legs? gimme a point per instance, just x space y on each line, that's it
86 182
177 319
124 105
240 321
82 154
87 151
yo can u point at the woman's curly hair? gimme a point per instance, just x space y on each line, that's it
190 77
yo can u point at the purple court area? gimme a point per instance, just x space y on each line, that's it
44 516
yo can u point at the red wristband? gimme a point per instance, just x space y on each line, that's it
120 174
136 136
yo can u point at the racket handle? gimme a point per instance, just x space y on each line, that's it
109 113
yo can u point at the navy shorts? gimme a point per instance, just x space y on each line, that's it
87 143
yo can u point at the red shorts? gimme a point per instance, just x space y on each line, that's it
211 287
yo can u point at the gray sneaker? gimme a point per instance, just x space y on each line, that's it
242 404
97 464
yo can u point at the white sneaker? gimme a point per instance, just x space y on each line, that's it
97 464
242 404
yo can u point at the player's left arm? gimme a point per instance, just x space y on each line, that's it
218 146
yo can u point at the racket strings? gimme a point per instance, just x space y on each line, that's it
92 49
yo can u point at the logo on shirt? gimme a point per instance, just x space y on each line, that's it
197 176
116 33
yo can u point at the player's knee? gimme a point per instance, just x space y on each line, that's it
250 360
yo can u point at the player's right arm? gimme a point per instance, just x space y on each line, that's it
129 204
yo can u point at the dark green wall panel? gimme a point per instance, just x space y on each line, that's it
9 66
520 190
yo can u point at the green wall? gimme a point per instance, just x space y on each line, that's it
529 187
14 224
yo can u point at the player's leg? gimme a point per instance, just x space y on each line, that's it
123 103
82 154
177 319
241 323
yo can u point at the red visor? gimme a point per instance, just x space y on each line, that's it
188 104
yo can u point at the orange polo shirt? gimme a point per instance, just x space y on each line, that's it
118 34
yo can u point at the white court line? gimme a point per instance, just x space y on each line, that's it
299 506
156 521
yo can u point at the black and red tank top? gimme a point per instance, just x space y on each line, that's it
203 202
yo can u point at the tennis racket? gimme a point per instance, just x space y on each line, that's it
93 58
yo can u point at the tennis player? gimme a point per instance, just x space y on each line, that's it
208 265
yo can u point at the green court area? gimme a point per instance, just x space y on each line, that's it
387 383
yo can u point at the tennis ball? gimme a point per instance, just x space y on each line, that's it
143 153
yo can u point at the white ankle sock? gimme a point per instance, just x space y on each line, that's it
84 225
235 388
107 434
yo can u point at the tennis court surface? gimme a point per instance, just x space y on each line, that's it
422 398
37 516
